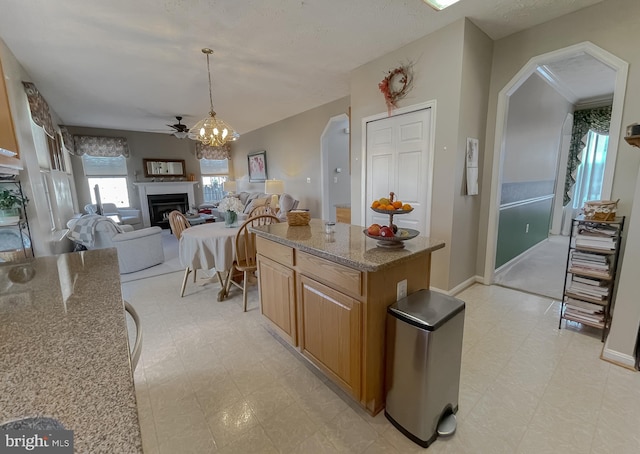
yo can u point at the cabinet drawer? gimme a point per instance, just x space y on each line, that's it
275 251
334 274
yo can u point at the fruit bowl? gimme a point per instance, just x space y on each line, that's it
394 242
400 211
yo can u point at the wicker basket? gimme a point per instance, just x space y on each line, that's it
600 210
298 218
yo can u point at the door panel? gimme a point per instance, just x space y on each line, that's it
398 160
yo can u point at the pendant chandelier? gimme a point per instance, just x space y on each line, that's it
211 130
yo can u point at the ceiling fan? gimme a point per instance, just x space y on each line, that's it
179 130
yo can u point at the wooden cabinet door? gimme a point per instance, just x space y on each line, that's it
330 332
278 297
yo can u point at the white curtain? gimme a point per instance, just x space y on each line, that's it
590 172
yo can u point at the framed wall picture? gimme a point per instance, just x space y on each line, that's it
257 166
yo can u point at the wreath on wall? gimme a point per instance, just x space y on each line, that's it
396 85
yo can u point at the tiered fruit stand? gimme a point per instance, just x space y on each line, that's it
400 234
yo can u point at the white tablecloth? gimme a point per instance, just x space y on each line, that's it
208 246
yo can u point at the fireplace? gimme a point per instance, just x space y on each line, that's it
160 205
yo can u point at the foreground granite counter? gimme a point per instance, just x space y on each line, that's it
327 295
64 349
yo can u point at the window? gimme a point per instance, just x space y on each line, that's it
590 172
214 173
110 174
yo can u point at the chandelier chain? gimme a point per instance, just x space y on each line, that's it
210 92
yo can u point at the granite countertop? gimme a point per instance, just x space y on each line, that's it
348 245
64 349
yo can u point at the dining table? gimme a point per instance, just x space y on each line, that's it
210 246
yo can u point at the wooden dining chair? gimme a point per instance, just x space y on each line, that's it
179 223
245 252
263 209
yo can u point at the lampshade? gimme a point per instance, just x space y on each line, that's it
273 187
211 130
181 134
229 186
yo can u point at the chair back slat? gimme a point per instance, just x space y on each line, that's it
178 223
246 240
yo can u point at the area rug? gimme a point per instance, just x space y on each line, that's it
171 261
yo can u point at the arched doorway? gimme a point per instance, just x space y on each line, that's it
619 66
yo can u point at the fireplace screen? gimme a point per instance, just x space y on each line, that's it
161 205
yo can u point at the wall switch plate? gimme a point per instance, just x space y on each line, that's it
401 290
308 180
526 230
335 179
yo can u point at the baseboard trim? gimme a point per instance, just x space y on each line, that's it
460 287
620 359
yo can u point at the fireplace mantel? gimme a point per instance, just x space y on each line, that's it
171 187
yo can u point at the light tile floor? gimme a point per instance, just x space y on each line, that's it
214 379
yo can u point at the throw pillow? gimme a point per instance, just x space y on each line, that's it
255 203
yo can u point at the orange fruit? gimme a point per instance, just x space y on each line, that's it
375 204
397 205
389 208
406 207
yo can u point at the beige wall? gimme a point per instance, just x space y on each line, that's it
611 25
439 59
476 74
293 154
532 137
142 145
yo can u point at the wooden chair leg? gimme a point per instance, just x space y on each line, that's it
220 278
244 291
194 276
184 281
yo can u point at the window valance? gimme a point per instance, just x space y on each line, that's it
67 140
208 152
39 109
596 120
101 146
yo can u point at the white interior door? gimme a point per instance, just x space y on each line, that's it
398 160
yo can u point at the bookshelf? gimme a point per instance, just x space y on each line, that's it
592 262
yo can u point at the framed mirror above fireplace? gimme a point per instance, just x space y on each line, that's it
164 168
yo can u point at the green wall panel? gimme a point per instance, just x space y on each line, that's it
513 238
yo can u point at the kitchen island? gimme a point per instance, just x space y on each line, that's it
327 295
64 349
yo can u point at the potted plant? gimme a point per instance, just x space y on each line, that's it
10 204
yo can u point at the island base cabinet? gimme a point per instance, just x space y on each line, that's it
277 297
330 326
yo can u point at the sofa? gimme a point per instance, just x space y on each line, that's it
128 216
250 200
137 249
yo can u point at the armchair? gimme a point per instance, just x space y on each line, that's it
137 249
128 216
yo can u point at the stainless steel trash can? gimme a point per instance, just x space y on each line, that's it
424 350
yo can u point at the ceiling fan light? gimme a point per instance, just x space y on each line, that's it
181 134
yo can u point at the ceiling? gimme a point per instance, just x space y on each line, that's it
135 65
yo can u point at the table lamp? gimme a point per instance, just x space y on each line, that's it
229 187
274 187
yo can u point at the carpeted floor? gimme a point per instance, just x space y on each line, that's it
540 271
171 261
